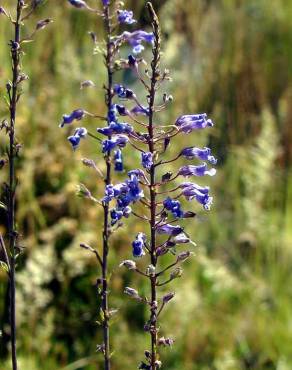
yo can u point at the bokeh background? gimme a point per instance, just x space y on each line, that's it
233 308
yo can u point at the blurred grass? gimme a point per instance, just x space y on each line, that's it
233 308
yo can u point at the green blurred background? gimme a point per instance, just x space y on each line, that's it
233 308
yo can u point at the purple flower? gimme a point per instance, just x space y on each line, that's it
201 170
118 158
204 154
79 133
174 207
134 190
105 2
132 61
74 141
147 160
111 117
169 230
136 38
122 110
203 198
112 191
126 16
123 92
138 245
188 123
110 144
191 185
116 128
78 4
77 115
139 110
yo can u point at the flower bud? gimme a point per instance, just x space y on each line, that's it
165 342
43 23
176 273
147 354
150 270
158 364
129 264
168 297
183 256
87 83
83 192
160 251
132 293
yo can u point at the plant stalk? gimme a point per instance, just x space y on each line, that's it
12 234
153 203
104 294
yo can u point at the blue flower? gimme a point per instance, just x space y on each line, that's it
191 185
123 92
106 2
79 133
118 158
78 4
111 117
169 230
110 144
174 207
126 16
139 110
201 170
188 123
116 215
132 61
116 128
134 190
136 38
138 245
112 192
204 154
77 115
74 141
122 110
199 193
147 160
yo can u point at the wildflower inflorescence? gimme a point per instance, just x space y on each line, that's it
10 245
131 122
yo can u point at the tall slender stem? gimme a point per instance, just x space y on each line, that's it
152 93
109 98
13 96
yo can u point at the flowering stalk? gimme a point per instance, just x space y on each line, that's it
162 213
13 88
109 98
152 185
117 136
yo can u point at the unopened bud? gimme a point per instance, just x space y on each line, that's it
150 270
168 297
83 192
132 293
158 364
87 83
176 273
43 23
160 251
129 264
165 342
183 256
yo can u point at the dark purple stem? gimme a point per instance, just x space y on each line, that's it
104 294
13 99
151 145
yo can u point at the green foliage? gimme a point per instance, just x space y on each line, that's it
233 307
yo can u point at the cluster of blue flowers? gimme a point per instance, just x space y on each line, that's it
124 194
